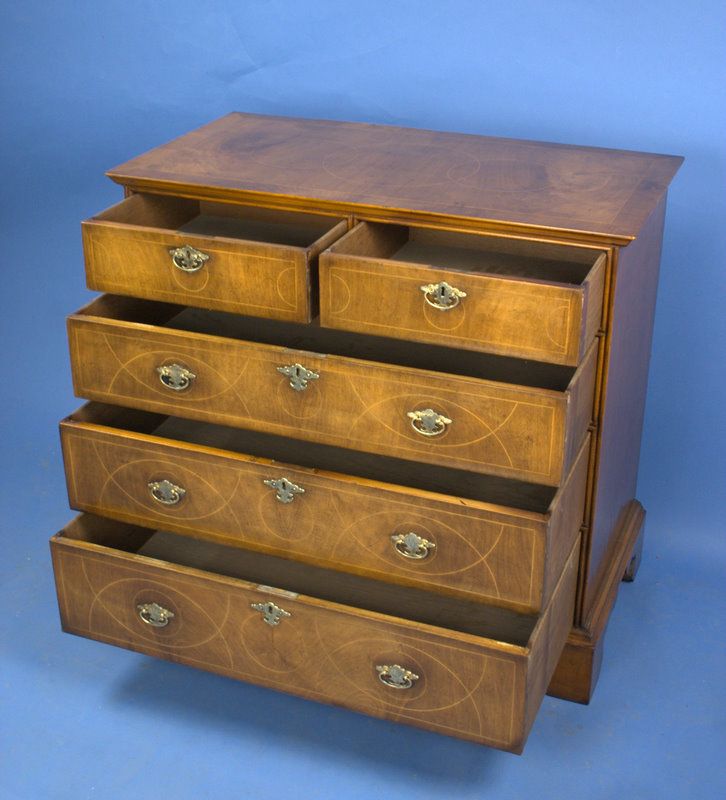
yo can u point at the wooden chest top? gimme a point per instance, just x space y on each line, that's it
407 174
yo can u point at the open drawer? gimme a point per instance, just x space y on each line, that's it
456 667
474 536
456 409
214 255
514 297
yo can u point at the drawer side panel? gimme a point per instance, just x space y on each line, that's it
548 639
568 517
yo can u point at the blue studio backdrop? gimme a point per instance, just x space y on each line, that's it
87 85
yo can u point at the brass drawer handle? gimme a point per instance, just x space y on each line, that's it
442 295
175 377
298 375
155 615
188 258
285 490
428 422
396 676
271 614
166 492
411 545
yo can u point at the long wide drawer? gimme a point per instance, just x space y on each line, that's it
214 255
499 295
462 669
489 539
487 415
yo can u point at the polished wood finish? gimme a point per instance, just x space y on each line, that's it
401 174
576 675
628 344
524 433
469 685
483 550
527 299
541 369
578 668
636 559
262 263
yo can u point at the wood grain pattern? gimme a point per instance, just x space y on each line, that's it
536 235
127 247
508 556
578 669
499 429
469 686
628 345
405 174
548 638
576 675
524 299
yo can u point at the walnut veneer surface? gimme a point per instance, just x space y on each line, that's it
504 429
410 173
490 551
366 412
468 685
524 299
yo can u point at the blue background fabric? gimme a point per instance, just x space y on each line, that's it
87 85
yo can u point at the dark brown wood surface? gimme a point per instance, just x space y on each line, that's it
579 667
402 173
627 357
498 554
469 686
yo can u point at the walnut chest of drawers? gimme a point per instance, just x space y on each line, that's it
365 414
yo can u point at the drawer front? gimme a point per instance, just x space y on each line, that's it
388 532
452 421
245 277
320 650
539 320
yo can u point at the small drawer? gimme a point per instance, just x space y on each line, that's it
463 534
421 403
492 294
459 668
234 258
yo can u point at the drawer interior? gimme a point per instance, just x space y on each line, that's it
483 488
293 577
227 220
312 338
468 252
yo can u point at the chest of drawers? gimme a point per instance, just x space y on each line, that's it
364 414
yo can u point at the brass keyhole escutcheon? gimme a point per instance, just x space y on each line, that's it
285 490
299 376
442 295
271 613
